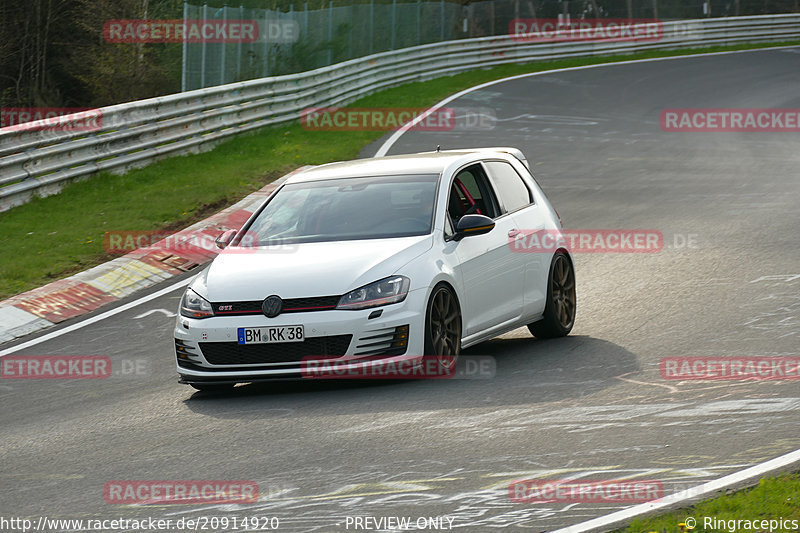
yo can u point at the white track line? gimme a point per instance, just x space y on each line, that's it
706 489
387 145
679 497
96 318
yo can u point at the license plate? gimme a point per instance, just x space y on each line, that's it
271 334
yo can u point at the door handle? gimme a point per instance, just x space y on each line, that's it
513 232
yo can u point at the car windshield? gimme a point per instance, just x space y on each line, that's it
347 209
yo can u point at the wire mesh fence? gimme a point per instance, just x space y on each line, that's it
296 41
300 37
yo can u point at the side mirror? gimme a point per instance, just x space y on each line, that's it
225 238
469 225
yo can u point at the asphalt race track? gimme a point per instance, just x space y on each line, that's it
590 406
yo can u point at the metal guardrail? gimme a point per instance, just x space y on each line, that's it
138 133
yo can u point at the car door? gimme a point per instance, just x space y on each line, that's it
491 273
517 202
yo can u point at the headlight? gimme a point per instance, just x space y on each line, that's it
195 306
382 292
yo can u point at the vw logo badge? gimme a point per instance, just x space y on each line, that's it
272 306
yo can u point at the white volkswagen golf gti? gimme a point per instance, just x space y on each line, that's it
387 258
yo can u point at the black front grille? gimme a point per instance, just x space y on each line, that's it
291 305
318 303
232 353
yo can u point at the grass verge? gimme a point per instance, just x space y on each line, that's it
50 238
774 498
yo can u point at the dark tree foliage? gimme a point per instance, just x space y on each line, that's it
53 54
122 72
35 36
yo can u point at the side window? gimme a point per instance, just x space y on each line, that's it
511 190
470 193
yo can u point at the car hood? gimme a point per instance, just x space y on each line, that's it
305 270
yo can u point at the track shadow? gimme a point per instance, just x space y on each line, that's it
526 371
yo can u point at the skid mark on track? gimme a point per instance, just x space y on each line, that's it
581 419
476 497
485 505
670 388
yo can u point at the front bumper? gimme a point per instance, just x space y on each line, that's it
207 350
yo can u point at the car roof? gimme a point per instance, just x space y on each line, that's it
420 163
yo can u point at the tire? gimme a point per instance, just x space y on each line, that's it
559 311
443 326
213 387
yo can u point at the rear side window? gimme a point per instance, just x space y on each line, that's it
511 190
